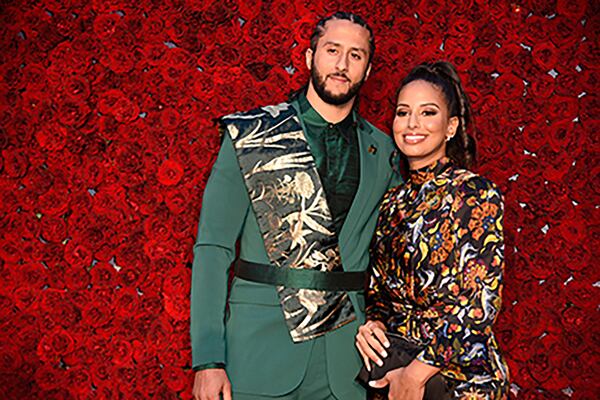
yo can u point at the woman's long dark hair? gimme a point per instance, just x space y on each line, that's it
461 147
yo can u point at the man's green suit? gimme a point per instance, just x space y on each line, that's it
245 329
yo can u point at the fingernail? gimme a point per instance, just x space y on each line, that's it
386 343
368 368
384 353
372 383
379 362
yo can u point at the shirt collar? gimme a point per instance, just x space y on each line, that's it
313 119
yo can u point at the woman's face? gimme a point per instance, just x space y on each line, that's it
422 125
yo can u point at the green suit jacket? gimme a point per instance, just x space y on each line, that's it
243 327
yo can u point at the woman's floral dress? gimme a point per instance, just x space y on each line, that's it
436 274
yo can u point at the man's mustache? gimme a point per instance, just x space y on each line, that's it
340 75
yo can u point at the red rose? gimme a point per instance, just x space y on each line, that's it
539 364
49 377
176 379
170 173
55 344
579 258
178 307
73 277
16 162
508 86
177 200
575 317
581 294
97 315
78 380
176 281
122 351
53 229
105 25
114 102
72 113
536 29
555 165
176 354
128 156
77 254
481 81
127 302
101 373
543 86
561 134
544 55
31 274
588 54
568 83
587 104
103 275
158 227
462 60
565 32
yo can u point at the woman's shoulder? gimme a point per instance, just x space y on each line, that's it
467 182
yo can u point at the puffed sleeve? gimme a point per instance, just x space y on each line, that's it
471 284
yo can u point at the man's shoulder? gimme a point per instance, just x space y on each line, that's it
273 111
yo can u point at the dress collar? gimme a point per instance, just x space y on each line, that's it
427 173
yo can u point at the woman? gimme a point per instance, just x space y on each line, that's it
437 255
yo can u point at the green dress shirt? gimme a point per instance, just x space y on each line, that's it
335 149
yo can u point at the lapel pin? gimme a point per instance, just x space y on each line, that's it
372 149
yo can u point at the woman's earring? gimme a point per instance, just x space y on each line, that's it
449 137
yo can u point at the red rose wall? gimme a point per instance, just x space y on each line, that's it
107 139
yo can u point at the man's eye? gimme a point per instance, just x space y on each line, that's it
332 51
356 56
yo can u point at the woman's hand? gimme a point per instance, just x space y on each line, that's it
403 386
407 383
372 342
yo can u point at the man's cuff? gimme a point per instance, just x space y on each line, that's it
212 365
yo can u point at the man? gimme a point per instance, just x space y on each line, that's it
299 185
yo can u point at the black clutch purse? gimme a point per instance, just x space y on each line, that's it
400 353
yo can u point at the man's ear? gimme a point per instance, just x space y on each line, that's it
368 71
309 56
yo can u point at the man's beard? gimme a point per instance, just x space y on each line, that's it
318 82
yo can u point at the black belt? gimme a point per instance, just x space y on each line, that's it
299 278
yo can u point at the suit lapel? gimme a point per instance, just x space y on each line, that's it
368 176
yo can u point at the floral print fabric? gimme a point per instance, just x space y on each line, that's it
436 274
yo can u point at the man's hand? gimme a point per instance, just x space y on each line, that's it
210 383
372 342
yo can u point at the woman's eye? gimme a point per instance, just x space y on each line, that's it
401 113
429 112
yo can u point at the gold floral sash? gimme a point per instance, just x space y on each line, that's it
292 212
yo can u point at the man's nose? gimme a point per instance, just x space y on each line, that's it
342 63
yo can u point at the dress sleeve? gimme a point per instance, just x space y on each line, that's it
378 301
471 283
378 306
